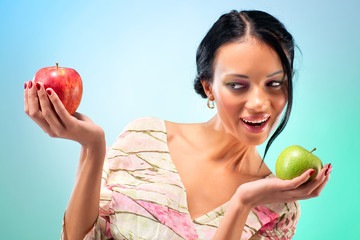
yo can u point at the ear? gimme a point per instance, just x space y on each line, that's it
207 89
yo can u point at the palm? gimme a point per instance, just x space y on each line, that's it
275 190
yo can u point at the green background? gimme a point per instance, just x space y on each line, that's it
138 59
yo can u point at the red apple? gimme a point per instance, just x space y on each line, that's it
66 82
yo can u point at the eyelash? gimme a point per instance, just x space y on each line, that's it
278 84
271 84
232 84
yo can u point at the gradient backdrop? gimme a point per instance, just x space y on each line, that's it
138 59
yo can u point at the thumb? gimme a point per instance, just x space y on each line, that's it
82 117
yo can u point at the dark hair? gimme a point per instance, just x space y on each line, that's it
235 25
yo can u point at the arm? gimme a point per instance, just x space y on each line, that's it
83 207
233 222
266 191
44 107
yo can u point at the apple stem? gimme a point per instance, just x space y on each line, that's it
57 66
313 150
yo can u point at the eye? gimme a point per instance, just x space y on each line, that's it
274 84
236 85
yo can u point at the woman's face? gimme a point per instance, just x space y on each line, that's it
250 89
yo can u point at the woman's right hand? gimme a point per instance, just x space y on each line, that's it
44 107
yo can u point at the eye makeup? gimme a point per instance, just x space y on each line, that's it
237 85
274 83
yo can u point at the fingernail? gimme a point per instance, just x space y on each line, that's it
25 85
38 86
328 171
48 92
30 84
312 172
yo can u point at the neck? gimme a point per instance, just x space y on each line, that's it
225 149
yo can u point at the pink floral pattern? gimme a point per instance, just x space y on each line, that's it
142 196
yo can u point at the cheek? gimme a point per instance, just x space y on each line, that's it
227 103
278 106
279 102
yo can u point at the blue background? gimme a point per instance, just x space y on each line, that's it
138 59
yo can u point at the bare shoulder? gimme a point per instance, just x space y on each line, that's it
180 130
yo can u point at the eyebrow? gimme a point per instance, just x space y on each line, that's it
244 76
275 73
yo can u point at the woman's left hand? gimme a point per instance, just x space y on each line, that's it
275 190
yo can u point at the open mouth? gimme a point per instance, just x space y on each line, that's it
257 123
256 126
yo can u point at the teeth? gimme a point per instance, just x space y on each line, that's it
259 121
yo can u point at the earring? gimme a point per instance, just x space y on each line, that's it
212 104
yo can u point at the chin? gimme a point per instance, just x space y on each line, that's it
253 140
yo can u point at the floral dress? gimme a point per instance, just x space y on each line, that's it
142 195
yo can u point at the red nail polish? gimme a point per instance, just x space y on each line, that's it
30 84
25 85
48 92
38 86
328 171
312 172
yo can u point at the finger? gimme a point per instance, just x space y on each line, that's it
316 192
26 106
33 109
323 171
33 102
319 189
320 177
298 181
59 107
47 111
308 188
33 106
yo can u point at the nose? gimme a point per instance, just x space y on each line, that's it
257 100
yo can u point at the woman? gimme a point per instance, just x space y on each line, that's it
165 180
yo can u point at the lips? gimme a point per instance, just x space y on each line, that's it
255 124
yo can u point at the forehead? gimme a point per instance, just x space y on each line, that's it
250 57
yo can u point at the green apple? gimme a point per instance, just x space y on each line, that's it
294 161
